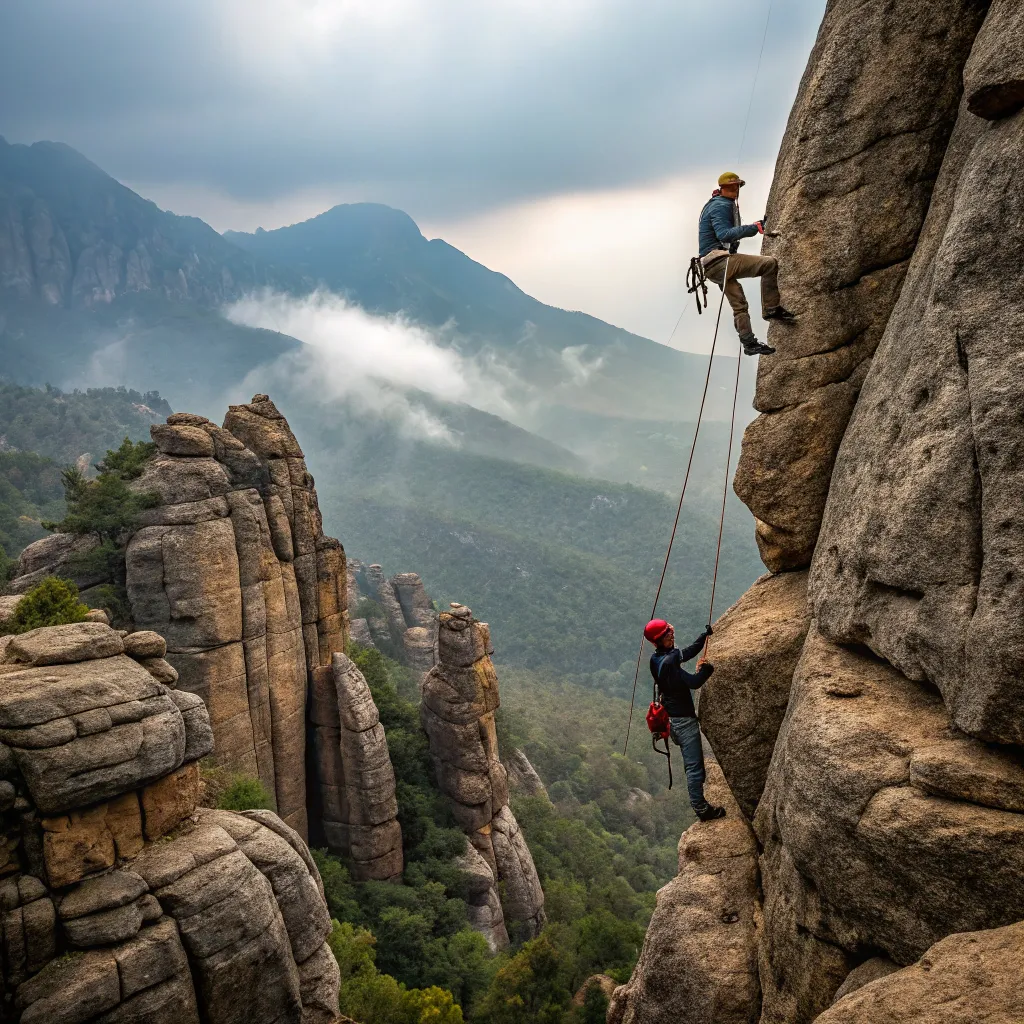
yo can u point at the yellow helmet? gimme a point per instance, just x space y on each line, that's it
730 178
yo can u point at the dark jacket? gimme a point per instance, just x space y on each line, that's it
720 226
674 682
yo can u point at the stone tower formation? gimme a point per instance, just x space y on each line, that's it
460 696
866 709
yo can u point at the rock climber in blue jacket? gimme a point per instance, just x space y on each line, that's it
674 684
719 235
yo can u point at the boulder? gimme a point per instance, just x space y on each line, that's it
59 645
962 979
851 190
145 644
755 648
86 732
105 892
699 959
881 828
181 439
52 556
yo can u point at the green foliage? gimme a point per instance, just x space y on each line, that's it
64 426
107 506
530 989
595 1006
53 602
244 793
563 567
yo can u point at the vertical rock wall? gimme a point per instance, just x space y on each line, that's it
889 820
852 186
460 696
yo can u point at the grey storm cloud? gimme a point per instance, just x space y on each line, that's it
464 104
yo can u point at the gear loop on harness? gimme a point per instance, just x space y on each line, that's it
697 283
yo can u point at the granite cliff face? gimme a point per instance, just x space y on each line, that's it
866 705
121 899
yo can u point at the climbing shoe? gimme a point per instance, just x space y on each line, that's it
711 813
779 313
757 348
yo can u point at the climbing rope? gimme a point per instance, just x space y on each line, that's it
696 285
682 496
725 495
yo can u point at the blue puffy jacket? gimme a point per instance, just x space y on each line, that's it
720 226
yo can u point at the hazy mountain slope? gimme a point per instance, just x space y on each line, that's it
378 258
72 236
100 286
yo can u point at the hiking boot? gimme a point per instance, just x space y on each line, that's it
711 813
757 348
779 313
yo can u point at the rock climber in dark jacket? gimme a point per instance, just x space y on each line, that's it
674 684
718 236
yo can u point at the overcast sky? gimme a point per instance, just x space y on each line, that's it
566 143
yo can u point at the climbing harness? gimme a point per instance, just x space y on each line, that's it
697 283
658 723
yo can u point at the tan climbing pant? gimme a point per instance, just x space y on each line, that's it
741 265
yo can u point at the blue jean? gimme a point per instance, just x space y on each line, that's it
686 734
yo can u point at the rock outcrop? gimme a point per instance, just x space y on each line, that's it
234 570
961 980
360 809
460 696
889 819
399 619
699 961
121 900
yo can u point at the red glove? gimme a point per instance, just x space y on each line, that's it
759 224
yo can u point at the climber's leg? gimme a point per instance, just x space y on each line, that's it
734 293
741 266
686 732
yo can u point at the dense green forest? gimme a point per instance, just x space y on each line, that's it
65 426
563 567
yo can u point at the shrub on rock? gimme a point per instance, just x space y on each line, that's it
54 602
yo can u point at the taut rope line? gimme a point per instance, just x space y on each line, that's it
682 495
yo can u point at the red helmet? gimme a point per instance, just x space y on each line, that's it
656 629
